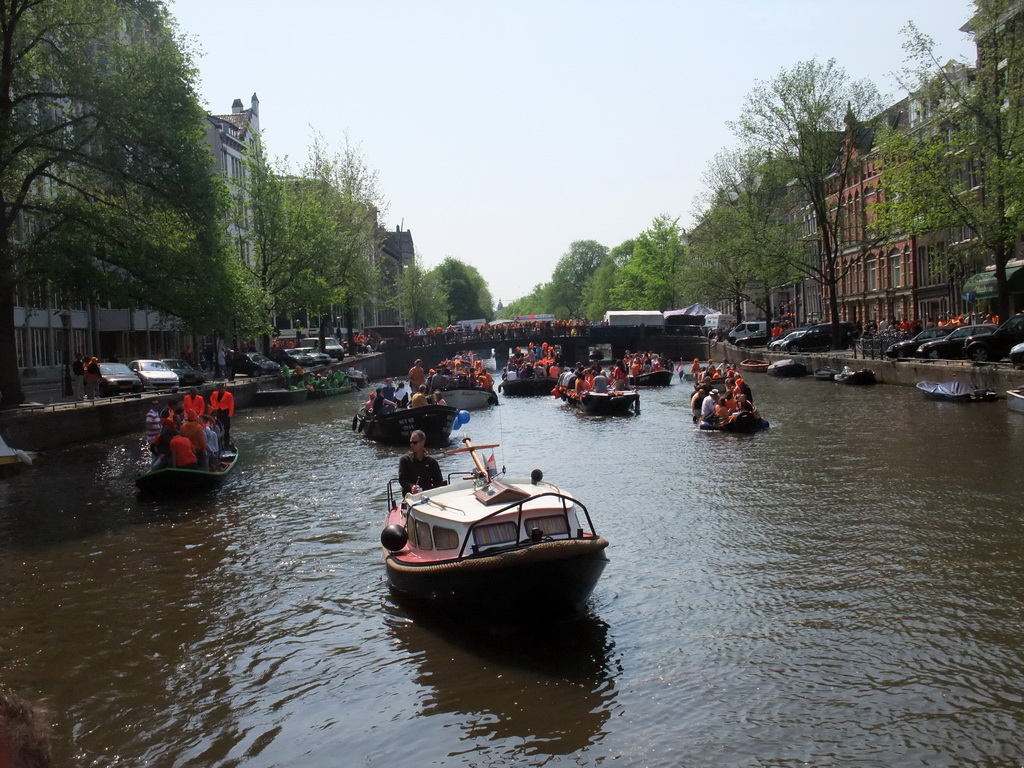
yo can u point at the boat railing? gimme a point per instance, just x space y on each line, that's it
566 501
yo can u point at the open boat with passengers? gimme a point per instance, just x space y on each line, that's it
168 481
514 548
395 427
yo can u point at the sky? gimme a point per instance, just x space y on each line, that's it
501 132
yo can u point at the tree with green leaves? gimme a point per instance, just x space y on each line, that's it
345 193
108 190
463 291
811 119
419 297
536 302
745 245
959 165
650 278
567 290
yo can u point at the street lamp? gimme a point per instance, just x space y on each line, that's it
65 321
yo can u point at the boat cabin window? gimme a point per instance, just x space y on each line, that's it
419 533
496 533
555 525
445 538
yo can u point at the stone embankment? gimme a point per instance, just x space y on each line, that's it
998 377
42 426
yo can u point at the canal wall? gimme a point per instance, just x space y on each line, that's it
998 377
37 427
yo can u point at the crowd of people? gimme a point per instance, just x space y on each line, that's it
191 433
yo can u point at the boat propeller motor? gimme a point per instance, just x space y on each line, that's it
394 537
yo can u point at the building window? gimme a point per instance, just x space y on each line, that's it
896 270
872 275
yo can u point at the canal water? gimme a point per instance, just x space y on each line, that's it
846 588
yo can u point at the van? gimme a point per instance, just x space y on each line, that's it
749 332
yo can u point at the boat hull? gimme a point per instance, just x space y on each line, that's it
652 379
468 399
955 391
271 397
436 422
545 579
861 377
320 393
173 481
754 366
743 423
1015 400
787 369
533 387
611 404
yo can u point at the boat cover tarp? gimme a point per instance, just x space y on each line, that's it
955 390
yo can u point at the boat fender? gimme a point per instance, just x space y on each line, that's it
536 476
394 537
355 420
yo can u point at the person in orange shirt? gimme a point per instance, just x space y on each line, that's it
222 406
183 455
193 429
193 401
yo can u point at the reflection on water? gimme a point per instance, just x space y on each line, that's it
842 589
546 690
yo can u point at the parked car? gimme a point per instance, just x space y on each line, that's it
907 347
188 374
155 374
253 364
818 338
319 358
996 345
118 379
291 357
951 346
1017 356
331 346
779 344
749 329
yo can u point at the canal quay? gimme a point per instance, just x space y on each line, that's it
844 588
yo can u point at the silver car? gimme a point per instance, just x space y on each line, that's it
155 374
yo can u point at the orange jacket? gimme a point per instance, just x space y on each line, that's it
222 401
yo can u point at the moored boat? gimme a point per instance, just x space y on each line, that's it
436 422
662 378
529 387
279 396
850 376
12 459
513 548
826 373
1015 400
754 366
169 481
955 391
787 368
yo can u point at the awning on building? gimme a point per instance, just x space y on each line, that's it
983 285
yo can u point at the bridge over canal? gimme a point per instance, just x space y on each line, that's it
577 344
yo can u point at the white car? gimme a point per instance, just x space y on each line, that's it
155 374
779 344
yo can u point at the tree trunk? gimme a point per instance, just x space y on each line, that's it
11 393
